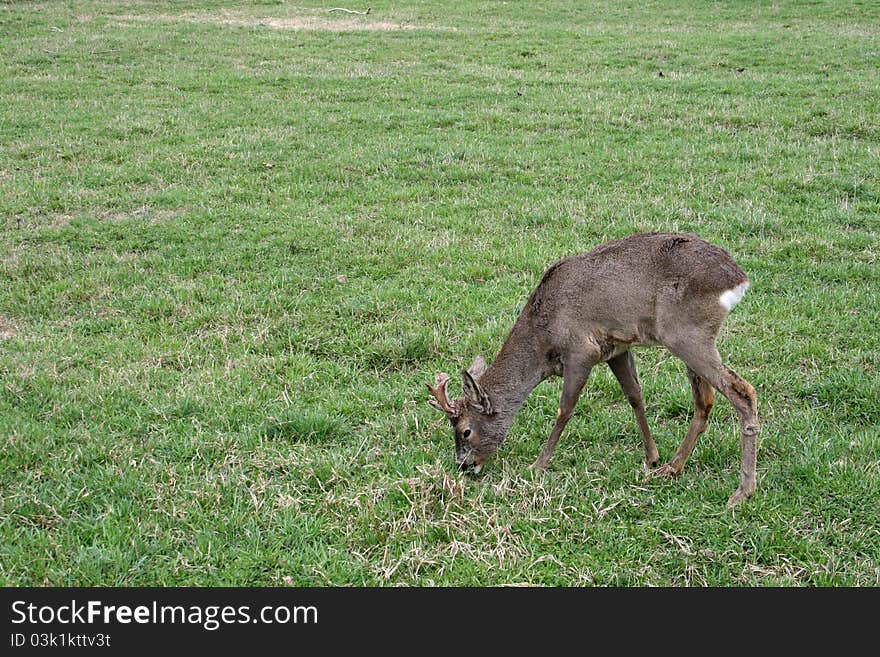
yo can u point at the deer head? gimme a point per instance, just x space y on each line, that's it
477 430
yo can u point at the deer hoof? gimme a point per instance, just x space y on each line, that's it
668 471
741 495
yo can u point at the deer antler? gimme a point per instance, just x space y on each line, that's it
439 392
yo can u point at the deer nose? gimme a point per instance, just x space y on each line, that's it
469 468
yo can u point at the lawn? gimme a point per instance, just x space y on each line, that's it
237 239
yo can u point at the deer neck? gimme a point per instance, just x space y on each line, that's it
516 370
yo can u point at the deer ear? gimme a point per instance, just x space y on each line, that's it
478 367
475 394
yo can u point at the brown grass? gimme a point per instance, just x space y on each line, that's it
143 213
308 22
8 328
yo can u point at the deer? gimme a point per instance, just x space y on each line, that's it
671 290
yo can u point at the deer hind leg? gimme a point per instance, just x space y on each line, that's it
574 378
624 369
705 361
743 397
704 398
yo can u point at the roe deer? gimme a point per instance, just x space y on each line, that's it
664 289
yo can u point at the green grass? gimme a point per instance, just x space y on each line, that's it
232 252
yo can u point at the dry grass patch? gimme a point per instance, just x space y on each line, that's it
306 22
143 213
8 328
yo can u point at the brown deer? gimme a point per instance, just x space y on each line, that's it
667 289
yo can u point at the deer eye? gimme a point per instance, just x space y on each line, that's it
466 434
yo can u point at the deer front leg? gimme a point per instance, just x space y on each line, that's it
624 369
574 379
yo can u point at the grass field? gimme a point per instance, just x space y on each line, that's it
238 238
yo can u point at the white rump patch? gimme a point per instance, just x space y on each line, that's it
732 297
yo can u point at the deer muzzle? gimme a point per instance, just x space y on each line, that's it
469 464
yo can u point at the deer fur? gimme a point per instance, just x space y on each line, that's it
667 289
